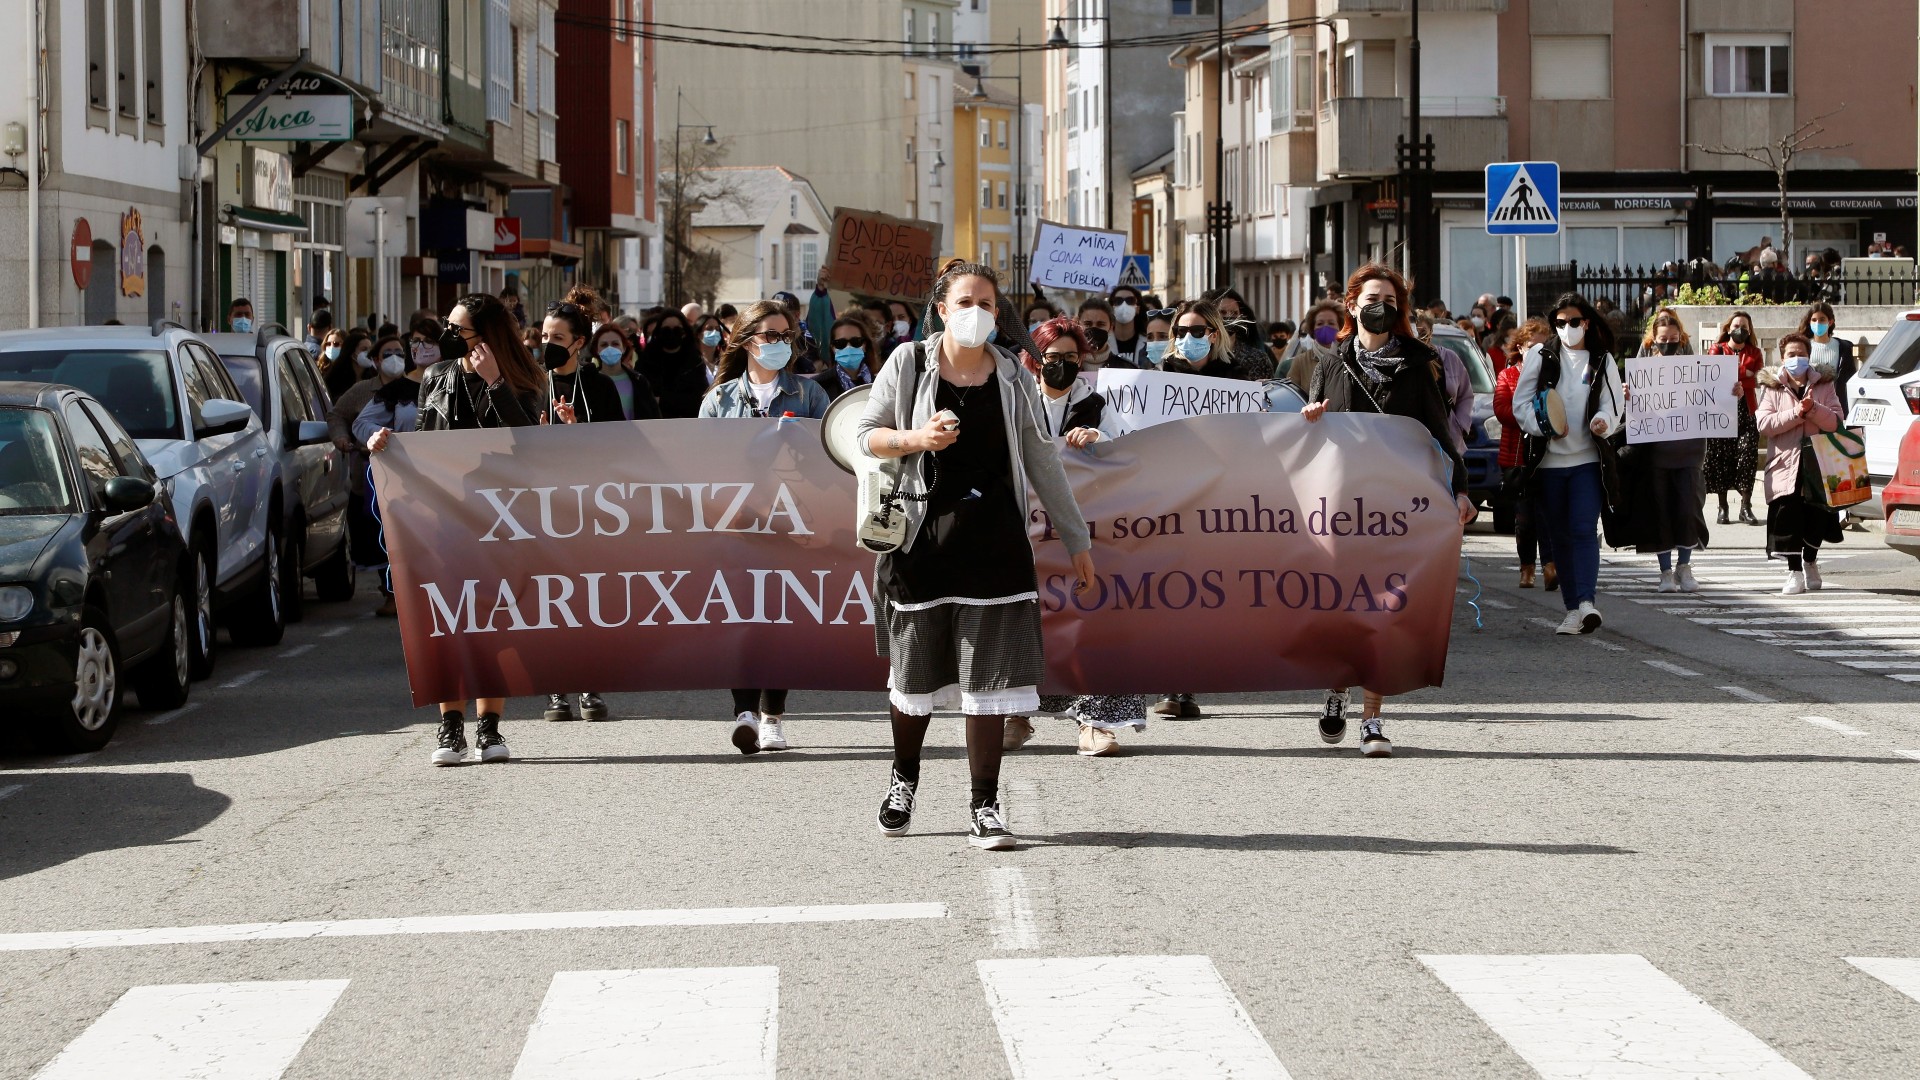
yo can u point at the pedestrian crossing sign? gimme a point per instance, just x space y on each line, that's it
1523 198
1137 271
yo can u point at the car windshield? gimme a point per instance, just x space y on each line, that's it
32 478
247 375
1898 352
1479 368
135 385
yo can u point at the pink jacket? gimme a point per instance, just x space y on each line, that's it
1781 425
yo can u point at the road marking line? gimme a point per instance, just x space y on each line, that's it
1911 621
12 789
1013 926
1745 694
241 679
297 650
170 717
654 1024
1830 654
228 1031
1548 623
1023 806
1578 1017
1835 725
1498 605
1608 645
337 631
1138 1017
466 924
1673 669
1901 973
1914 754
1880 665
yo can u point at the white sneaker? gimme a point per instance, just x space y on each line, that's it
1683 577
1796 583
1667 582
746 733
1812 573
1570 624
1373 739
771 737
1589 617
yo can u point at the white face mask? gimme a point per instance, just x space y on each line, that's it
364 358
1572 336
393 366
1124 313
969 326
902 329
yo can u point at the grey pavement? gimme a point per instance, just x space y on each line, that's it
1653 792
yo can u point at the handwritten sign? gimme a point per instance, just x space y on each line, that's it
1142 399
1084 260
876 255
1680 397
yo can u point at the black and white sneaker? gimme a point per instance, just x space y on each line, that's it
593 707
1333 718
896 810
559 708
453 740
989 830
1373 739
746 733
487 743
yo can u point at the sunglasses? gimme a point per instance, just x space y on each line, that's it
850 343
561 307
1191 331
1558 323
1162 313
772 337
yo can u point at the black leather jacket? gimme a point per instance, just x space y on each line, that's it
446 404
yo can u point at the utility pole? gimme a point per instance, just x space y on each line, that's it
1416 169
1220 214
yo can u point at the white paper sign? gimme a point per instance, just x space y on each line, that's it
1140 399
1681 397
1084 260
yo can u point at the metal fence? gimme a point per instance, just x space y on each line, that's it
1638 291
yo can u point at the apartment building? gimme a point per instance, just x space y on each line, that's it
985 226
607 148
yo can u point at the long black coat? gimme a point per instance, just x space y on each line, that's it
1413 391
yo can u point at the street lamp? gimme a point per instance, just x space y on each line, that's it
676 238
1019 152
1058 40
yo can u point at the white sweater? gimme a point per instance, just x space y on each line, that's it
1576 447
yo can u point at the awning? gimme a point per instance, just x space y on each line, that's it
267 221
558 252
1831 202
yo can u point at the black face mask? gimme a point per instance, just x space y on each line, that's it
1670 348
670 337
1737 336
1379 317
1059 374
555 356
452 345
1096 338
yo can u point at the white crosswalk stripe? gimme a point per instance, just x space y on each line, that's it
203 1031
1740 594
1901 973
1123 1018
713 1023
1619 1017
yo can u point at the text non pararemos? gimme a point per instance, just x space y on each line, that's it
687 554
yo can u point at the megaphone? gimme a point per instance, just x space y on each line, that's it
881 525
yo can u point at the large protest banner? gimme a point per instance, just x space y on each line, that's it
1681 397
1140 399
1234 553
873 254
1071 257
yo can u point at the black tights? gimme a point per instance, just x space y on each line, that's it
983 750
770 702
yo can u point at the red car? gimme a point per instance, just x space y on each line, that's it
1901 496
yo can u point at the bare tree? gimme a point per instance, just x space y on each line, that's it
1777 156
691 185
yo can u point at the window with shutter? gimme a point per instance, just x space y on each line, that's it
499 62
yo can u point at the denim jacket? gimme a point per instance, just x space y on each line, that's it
801 397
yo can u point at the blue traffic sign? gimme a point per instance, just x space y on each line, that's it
1137 271
1523 198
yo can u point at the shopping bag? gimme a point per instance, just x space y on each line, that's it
1842 458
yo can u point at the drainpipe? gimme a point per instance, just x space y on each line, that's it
33 167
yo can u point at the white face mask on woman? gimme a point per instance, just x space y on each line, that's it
970 326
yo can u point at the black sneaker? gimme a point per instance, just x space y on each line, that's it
1373 739
592 707
559 708
1189 708
989 830
487 740
453 740
896 810
1333 718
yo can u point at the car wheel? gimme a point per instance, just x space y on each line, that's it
86 721
333 581
262 619
162 680
292 583
201 629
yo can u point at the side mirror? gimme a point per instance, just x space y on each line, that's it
311 433
125 494
222 417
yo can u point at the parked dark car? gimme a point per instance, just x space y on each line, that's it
1483 442
94 574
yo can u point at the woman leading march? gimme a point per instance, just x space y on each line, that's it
957 605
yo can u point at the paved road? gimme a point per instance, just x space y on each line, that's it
1685 843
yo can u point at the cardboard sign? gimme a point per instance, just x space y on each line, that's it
1681 397
1083 260
878 255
